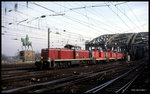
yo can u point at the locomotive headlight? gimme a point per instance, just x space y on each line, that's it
41 59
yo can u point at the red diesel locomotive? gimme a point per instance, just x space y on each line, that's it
62 57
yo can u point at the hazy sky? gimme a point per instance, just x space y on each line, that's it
81 21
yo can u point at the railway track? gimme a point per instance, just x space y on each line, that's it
28 74
25 76
17 72
17 68
42 86
17 65
30 78
127 85
57 86
58 83
119 84
11 72
7 72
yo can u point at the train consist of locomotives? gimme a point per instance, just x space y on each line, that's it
58 57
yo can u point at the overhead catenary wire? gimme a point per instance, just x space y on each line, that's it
76 20
65 35
118 16
83 21
83 7
110 26
22 35
36 26
54 33
53 38
56 43
57 28
127 17
53 43
133 13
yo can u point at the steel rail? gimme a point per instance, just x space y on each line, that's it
94 90
127 85
72 81
27 76
70 78
98 88
45 83
68 83
19 68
